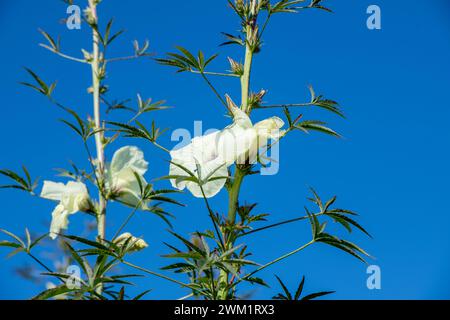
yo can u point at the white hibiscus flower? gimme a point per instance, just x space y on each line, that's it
72 197
214 153
127 163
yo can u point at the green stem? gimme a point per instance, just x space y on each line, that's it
245 79
214 89
161 276
122 226
95 65
287 255
233 197
278 224
216 73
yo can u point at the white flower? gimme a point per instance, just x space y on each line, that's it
202 151
133 243
72 197
215 152
121 179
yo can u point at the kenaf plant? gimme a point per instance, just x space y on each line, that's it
215 262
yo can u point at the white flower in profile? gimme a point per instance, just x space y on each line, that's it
125 175
133 243
201 154
72 197
209 156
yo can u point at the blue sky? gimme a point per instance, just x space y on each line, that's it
391 166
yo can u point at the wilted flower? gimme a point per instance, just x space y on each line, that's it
132 243
125 175
72 197
209 156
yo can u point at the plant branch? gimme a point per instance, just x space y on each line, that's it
278 224
161 276
62 55
287 255
222 100
215 73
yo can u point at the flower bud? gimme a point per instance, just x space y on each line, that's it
132 243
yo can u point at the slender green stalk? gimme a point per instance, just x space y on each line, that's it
161 276
285 105
39 262
214 89
278 224
233 196
123 225
245 79
287 255
216 73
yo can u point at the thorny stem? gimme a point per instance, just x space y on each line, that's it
95 66
245 79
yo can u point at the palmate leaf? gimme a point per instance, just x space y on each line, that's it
141 51
232 40
107 38
285 6
292 6
53 45
315 125
40 85
24 183
141 295
318 229
327 104
347 222
338 215
186 61
140 131
148 105
53 292
286 295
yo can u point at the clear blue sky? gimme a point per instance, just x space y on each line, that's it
392 167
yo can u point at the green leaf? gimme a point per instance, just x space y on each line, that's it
285 289
317 295
315 125
51 293
299 291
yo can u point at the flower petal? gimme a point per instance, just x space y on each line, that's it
240 118
59 221
210 188
53 190
269 128
129 157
